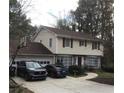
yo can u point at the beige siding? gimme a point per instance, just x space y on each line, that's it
77 49
57 45
45 36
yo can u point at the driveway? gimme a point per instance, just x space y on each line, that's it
66 85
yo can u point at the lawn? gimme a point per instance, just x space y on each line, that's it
76 76
104 77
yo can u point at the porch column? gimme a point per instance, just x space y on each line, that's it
54 59
76 60
82 61
99 62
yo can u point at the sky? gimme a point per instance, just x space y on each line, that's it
46 12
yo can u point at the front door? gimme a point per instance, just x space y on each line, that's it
79 61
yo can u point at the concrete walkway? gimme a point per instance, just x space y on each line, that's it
88 76
67 85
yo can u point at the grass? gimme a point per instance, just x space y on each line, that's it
103 74
104 77
76 76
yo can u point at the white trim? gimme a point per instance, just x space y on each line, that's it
82 60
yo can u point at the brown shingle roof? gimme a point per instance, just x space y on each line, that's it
30 49
71 34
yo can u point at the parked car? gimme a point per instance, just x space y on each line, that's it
56 71
12 69
31 70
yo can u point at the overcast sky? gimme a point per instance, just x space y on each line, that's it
41 11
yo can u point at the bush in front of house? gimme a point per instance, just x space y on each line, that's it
107 65
89 69
107 61
75 70
108 68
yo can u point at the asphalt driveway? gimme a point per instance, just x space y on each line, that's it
66 85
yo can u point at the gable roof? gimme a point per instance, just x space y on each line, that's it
32 48
70 34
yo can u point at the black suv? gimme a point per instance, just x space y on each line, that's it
31 70
56 71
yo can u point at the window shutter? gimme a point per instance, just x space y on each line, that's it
79 43
98 45
92 45
63 42
85 43
71 43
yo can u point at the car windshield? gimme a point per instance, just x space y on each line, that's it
33 65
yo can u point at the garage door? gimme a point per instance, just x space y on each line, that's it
42 60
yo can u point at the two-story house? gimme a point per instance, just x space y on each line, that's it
71 48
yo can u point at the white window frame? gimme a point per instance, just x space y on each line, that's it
96 45
92 62
67 43
82 43
66 60
50 42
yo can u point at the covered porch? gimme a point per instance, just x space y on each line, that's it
80 60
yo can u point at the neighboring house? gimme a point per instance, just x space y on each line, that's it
33 51
71 48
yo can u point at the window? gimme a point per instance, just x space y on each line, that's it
81 43
48 62
41 62
45 62
66 42
64 60
33 65
92 62
96 45
50 42
85 42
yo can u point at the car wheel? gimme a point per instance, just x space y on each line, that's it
52 75
27 78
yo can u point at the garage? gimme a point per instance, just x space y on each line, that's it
42 59
32 52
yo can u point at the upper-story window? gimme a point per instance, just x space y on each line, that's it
67 42
50 42
96 45
83 43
